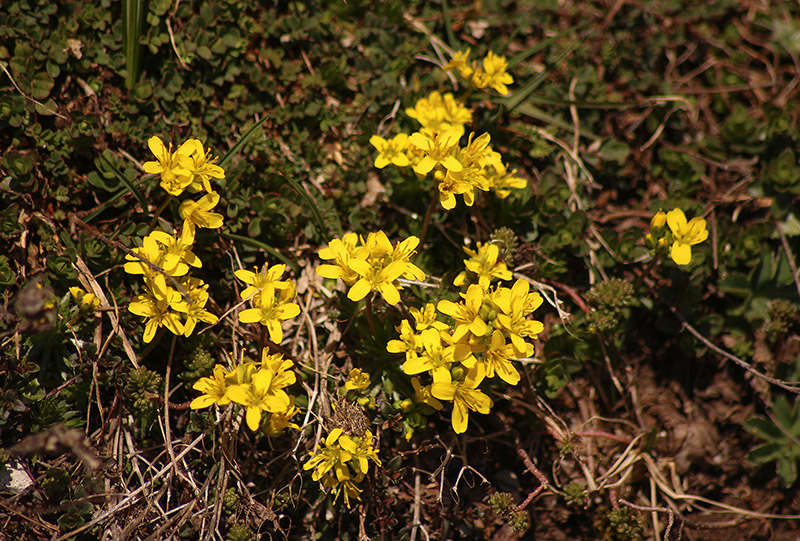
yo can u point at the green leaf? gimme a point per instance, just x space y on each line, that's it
764 453
41 85
787 471
784 413
736 284
614 150
764 428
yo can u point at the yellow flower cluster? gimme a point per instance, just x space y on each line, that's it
488 332
680 238
189 168
370 265
490 73
271 299
435 150
342 462
483 267
171 297
259 387
86 301
357 388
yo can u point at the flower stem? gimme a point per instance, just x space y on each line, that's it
159 211
426 222
370 316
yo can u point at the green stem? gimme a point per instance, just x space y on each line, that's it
370 315
427 220
158 213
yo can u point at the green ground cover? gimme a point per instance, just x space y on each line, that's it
399 270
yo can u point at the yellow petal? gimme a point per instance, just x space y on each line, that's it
681 253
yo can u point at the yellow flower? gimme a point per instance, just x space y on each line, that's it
341 251
426 318
265 278
86 301
214 390
157 312
435 357
325 459
263 393
493 74
658 220
498 359
409 342
465 396
345 485
274 306
277 423
152 251
392 151
198 213
422 395
685 235
403 252
459 63
467 314
514 305
358 380
501 180
178 247
174 167
362 450
484 263
438 150
373 266
202 167
438 113
379 271
197 292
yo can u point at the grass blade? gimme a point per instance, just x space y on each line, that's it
520 95
545 43
132 22
240 143
448 26
266 247
312 205
128 184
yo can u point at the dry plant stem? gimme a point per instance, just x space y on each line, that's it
610 368
427 220
134 495
88 282
24 95
314 394
664 486
417 504
683 521
543 482
645 272
710 345
789 256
